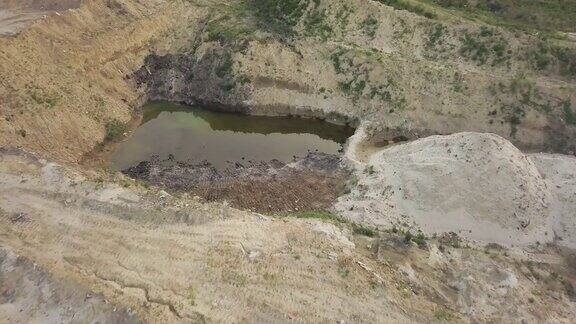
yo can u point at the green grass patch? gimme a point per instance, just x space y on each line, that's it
316 24
484 46
331 217
409 6
545 15
50 101
369 26
114 130
277 16
568 113
566 60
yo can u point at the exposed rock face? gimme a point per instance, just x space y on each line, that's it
477 185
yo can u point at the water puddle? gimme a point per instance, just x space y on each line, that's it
177 133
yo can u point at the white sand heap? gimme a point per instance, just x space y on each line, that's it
477 185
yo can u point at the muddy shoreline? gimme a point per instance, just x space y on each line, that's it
312 182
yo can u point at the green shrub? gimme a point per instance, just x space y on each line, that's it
114 130
278 16
315 24
363 230
224 67
405 5
566 60
369 26
540 56
474 49
435 36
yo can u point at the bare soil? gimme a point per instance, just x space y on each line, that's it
310 183
16 15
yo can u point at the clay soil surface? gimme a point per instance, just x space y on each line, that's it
312 182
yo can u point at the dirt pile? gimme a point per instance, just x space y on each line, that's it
477 185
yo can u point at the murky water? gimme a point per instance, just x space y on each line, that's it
194 135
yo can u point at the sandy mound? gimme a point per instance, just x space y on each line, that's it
560 173
477 185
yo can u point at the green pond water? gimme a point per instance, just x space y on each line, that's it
193 134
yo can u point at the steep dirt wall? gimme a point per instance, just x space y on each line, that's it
404 79
64 78
40 4
68 76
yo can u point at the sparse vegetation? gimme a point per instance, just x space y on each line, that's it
317 214
451 239
442 314
47 100
315 24
568 113
224 67
369 26
540 55
419 238
416 8
566 60
484 46
435 36
343 15
546 15
278 16
343 271
328 216
363 230
354 68
225 31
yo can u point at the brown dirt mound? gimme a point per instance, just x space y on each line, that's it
313 182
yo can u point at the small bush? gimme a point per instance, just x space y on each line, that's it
435 36
566 61
369 26
405 5
363 230
114 130
540 56
224 67
278 16
315 24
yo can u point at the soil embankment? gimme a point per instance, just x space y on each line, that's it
16 15
175 259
